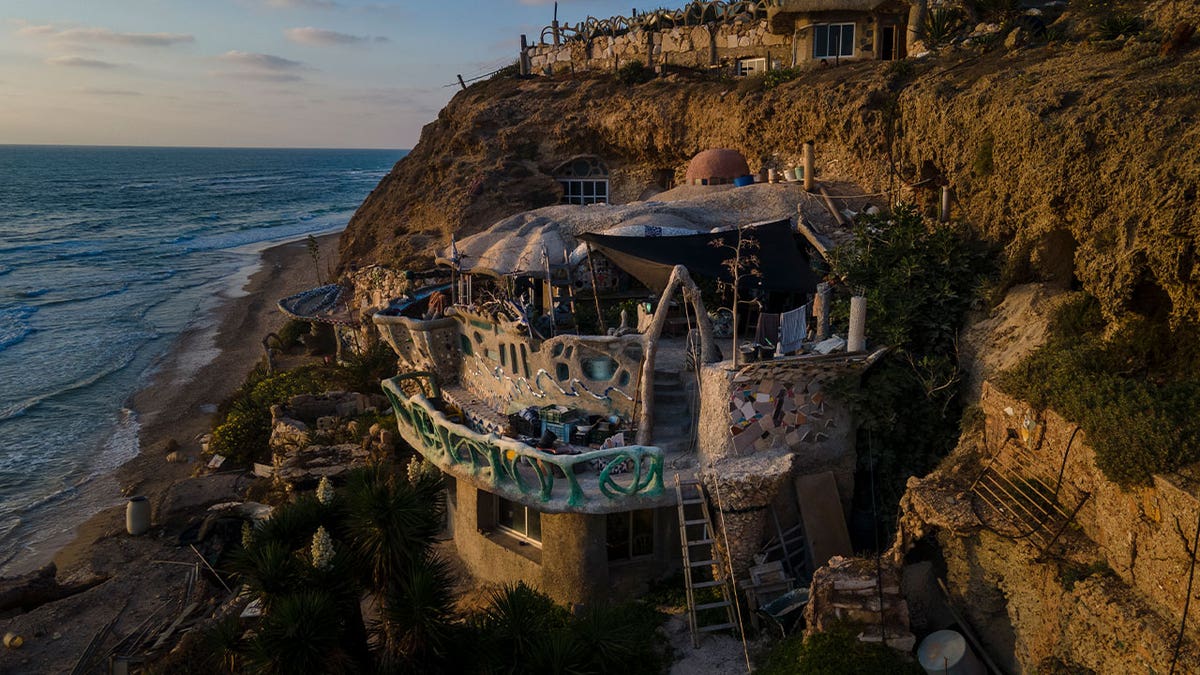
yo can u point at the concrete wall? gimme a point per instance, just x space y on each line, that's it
572 564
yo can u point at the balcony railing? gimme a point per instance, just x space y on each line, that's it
512 468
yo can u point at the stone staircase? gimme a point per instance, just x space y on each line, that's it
673 412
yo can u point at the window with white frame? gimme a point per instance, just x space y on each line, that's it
519 520
584 180
833 40
751 66
630 535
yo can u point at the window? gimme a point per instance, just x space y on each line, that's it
584 191
584 180
833 40
751 66
519 520
630 535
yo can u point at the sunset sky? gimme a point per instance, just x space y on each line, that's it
273 73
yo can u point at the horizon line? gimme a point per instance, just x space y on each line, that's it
194 147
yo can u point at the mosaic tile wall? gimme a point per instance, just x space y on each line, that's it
775 412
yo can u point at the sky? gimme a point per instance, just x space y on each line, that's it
252 73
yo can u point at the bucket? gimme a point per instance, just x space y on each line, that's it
743 181
137 516
945 652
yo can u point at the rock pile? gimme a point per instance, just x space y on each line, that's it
847 592
329 443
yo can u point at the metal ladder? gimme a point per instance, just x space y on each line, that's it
701 568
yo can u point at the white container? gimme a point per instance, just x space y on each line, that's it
137 516
947 653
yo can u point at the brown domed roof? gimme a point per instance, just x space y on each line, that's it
719 163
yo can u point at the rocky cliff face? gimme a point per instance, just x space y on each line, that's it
1078 156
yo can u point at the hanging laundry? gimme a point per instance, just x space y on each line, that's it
793 326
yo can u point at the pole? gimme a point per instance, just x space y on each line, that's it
944 215
595 293
808 166
856 340
461 83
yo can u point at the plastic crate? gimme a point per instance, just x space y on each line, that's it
558 413
562 430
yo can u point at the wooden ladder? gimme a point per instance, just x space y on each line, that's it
701 568
560 295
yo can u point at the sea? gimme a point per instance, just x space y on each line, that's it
107 254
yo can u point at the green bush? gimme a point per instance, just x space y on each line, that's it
837 652
774 78
289 335
919 279
939 26
244 430
1117 24
1132 388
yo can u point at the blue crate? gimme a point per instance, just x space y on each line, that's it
563 430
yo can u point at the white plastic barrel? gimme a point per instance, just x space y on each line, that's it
946 652
137 516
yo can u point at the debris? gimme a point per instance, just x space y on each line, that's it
216 462
13 641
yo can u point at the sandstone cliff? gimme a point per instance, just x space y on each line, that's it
1078 156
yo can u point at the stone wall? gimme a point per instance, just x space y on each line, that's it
694 46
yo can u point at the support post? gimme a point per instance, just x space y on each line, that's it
461 83
554 27
524 60
944 214
808 166
856 340
821 309
595 291
679 279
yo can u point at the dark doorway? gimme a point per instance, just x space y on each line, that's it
887 43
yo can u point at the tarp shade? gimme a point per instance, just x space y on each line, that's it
781 264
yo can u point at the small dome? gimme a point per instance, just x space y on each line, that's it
717 166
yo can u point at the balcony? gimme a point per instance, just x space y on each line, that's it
596 481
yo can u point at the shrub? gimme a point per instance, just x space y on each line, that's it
837 652
919 280
939 26
774 78
244 431
1133 392
634 72
289 335
1117 24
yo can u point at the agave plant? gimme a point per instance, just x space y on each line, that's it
939 26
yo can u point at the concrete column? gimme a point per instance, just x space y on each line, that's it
574 557
857 340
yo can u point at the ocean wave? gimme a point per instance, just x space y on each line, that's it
14 325
22 407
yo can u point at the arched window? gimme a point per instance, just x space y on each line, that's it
584 180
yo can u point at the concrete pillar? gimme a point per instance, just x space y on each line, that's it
857 340
574 557
821 302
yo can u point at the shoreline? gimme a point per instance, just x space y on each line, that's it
178 400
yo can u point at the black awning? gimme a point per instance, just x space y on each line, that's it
781 264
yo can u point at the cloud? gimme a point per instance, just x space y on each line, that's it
104 36
303 4
324 38
256 61
253 76
80 62
110 92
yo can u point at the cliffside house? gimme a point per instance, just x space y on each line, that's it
562 437
842 29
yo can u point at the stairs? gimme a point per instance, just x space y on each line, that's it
560 296
708 611
673 413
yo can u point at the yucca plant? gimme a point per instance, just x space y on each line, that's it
621 638
514 620
418 610
301 634
269 569
939 26
225 641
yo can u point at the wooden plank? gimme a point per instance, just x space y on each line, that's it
824 520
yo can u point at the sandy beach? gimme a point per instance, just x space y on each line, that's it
127 577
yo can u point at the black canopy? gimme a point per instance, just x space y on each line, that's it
781 264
